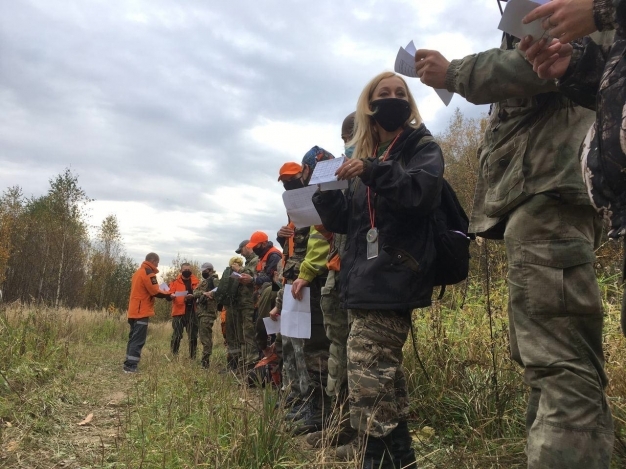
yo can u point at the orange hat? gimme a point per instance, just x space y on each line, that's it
289 169
256 238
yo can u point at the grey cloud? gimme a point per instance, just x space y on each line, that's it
158 111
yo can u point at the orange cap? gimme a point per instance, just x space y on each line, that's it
289 169
256 238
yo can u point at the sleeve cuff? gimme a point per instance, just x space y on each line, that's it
604 14
451 75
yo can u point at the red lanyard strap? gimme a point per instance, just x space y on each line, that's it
372 210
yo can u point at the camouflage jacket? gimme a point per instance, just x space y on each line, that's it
596 78
245 292
531 142
206 305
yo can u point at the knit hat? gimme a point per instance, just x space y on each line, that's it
314 155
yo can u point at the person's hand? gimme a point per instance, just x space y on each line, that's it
350 169
172 296
189 297
565 20
274 314
431 67
235 267
208 294
285 232
297 286
548 62
245 279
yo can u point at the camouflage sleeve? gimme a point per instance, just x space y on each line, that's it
279 299
199 291
604 13
581 81
495 75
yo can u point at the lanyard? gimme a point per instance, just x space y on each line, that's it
372 210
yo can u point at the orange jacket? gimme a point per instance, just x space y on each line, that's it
178 304
144 287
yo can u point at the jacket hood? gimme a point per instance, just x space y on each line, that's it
149 265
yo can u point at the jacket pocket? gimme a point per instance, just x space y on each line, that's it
505 177
400 257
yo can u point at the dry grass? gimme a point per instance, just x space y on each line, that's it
59 366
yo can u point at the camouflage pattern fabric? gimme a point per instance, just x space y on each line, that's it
337 330
596 79
555 320
233 345
530 147
305 361
243 312
378 390
207 313
267 299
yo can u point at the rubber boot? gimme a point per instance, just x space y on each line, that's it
378 453
403 453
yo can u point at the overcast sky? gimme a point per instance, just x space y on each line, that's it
176 115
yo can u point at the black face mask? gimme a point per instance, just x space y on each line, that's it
205 274
391 113
293 184
187 273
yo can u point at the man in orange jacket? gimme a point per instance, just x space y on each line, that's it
184 315
144 289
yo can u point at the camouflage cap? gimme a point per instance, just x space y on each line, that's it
314 155
241 245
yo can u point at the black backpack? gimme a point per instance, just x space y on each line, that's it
452 242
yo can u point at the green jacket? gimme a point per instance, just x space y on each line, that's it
531 141
206 305
245 293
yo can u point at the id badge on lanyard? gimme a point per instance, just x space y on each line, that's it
372 243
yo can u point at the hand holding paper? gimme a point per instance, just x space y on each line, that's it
324 175
406 65
566 20
512 24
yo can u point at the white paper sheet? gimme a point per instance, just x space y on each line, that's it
334 185
405 65
271 326
296 315
234 274
514 12
324 175
164 287
300 207
181 293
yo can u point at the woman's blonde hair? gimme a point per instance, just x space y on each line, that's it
235 260
365 136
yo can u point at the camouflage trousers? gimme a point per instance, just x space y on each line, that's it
233 347
555 321
337 330
245 336
305 361
266 303
377 385
206 319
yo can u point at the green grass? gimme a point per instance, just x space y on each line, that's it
58 366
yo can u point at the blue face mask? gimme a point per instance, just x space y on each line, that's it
348 151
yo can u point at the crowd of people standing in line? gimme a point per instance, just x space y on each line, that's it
370 263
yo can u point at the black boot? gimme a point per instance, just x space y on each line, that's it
313 415
378 453
403 453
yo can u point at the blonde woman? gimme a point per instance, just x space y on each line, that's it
395 179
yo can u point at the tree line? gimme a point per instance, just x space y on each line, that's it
48 256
